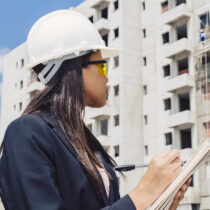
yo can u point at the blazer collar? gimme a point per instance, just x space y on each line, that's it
51 121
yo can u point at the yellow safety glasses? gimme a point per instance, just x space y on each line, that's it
102 66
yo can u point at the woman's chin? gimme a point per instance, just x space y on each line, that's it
101 105
97 105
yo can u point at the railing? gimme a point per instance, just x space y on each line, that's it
184 71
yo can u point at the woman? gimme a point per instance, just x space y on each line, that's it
50 160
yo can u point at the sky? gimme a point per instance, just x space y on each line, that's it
17 17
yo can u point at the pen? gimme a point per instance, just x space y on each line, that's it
130 167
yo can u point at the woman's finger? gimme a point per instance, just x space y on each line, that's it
173 155
184 188
176 168
189 180
175 202
186 185
180 195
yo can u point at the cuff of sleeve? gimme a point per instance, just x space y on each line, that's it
130 202
126 203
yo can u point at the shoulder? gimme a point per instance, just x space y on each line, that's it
25 130
29 121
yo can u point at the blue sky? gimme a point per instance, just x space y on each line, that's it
17 17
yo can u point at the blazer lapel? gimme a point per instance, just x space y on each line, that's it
50 120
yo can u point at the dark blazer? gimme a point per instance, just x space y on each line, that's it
39 171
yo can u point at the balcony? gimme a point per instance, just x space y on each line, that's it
186 154
98 3
181 120
34 86
104 140
182 83
180 12
103 25
179 47
98 113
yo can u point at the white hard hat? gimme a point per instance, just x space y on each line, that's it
62 35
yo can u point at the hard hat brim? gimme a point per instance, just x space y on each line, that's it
109 52
106 52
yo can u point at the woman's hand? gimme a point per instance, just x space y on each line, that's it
180 195
162 170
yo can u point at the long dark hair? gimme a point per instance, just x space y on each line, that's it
64 96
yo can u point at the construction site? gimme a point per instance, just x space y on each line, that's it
159 85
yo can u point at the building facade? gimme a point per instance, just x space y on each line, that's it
158 85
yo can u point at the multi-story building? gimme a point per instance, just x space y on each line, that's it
158 84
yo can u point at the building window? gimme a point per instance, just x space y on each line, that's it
204 20
116 61
181 31
184 101
117 151
14 107
116 5
183 66
105 38
143 5
145 89
186 141
167 104
192 182
145 61
20 106
21 84
22 62
116 90
116 33
91 19
168 138
104 13
178 2
166 70
90 127
205 59
104 127
165 38
145 119
116 120
195 206
164 6
144 33
16 65
146 150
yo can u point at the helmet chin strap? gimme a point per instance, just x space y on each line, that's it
54 65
